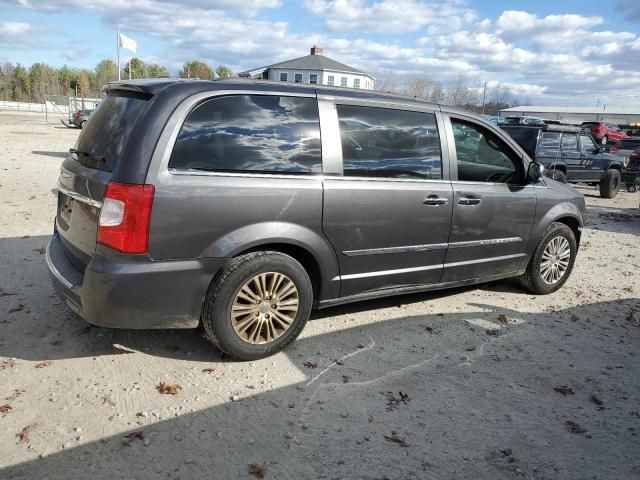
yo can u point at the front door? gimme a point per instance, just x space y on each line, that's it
572 158
493 209
388 212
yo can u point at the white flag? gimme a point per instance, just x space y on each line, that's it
128 43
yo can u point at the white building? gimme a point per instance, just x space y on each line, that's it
314 68
577 115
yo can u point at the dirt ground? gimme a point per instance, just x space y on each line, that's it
475 383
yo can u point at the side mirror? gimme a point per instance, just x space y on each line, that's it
535 172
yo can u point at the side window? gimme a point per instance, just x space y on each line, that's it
569 142
381 142
550 141
250 133
587 145
482 156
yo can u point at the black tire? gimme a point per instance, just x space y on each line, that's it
610 183
83 123
532 279
557 175
216 314
632 188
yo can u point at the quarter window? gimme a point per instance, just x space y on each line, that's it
343 81
250 133
550 141
380 142
482 156
330 80
284 76
298 77
313 78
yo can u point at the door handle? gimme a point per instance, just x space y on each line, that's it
468 201
435 200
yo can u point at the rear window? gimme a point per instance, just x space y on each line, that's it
103 138
251 133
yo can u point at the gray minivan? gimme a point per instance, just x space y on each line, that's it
244 204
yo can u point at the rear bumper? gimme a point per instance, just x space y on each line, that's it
133 292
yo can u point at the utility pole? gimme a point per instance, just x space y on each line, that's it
118 49
484 95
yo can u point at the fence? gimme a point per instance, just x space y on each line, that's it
22 106
61 107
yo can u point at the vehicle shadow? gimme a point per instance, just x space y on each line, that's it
479 406
614 219
50 154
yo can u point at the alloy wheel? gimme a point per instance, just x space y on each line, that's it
264 308
555 260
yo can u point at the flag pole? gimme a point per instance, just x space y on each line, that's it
118 49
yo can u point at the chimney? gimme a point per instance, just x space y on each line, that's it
316 50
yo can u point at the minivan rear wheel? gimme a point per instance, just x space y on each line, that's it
552 261
258 304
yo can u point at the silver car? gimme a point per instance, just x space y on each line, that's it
625 148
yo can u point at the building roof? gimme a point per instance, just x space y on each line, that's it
579 110
310 62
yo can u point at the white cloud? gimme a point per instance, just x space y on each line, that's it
17 34
397 16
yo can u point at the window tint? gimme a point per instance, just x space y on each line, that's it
250 133
550 141
380 142
482 156
104 137
569 141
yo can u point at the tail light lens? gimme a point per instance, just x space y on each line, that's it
633 163
124 217
76 115
614 149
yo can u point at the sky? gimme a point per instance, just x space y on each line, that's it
577 52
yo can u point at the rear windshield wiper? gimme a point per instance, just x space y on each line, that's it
88 155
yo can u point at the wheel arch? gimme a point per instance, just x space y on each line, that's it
566 213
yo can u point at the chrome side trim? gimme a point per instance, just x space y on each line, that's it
484 260
483 243
81 198
201 173
383 251
56 273
389 272
428 267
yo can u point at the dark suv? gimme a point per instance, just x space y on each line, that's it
243 204
570 154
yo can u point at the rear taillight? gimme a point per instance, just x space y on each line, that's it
614 149
76 115
124 217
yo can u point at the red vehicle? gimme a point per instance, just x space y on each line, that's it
604 132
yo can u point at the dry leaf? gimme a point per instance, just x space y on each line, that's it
257 470
627 274
502 318
573 427
6 408
564 390
628 289
470 349
394 438
596 399
310 365
23 435
170 389
493 332
44 364
393 402
40 250
574 317
130 437
107 400
16 393
208 370
17 309
7 364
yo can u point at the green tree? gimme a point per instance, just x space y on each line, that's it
157 71
196 69
138 69
21 85
106 71
224 71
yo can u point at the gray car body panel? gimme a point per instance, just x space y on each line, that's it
367 237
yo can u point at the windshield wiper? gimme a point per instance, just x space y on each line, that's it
88 155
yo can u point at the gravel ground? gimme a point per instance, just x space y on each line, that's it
475 383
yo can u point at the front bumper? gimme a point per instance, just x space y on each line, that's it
132 292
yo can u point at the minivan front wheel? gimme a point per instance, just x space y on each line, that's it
552 261
258 304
